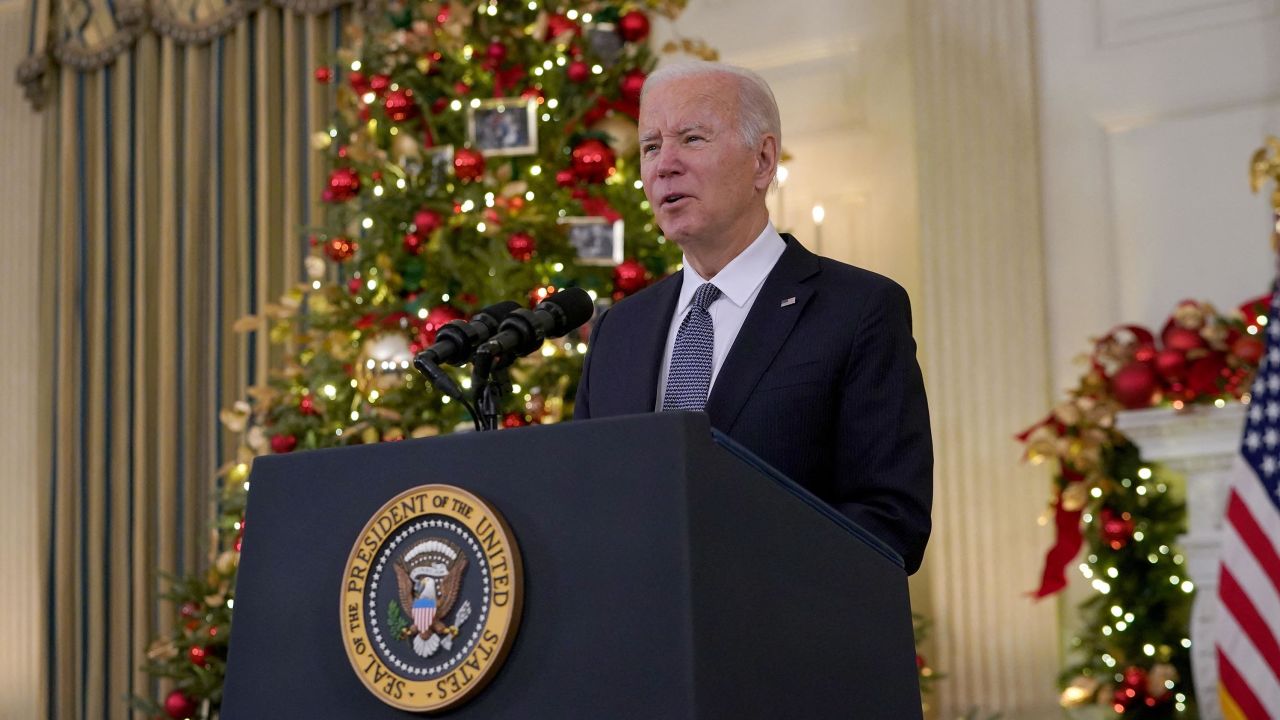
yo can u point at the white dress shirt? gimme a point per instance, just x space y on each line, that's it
739 282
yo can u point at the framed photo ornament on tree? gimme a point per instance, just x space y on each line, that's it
504 127
597 240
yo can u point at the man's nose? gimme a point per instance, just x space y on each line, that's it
669 160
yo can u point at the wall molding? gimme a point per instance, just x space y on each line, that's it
1121 23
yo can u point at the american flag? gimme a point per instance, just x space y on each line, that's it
1248 614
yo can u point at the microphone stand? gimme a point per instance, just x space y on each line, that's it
488 381
441 381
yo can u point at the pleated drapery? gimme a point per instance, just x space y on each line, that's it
179 179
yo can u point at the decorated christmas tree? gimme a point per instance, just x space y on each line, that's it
479 152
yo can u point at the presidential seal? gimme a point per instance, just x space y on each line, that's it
431 598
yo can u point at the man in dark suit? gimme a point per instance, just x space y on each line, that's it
807 362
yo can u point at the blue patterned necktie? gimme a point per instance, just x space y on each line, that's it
689 375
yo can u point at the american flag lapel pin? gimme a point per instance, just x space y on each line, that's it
789 301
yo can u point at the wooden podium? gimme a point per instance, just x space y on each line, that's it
667 574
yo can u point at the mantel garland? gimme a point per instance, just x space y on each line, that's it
1134 654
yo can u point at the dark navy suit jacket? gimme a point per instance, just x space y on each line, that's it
826 388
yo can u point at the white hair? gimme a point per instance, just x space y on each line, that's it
758 110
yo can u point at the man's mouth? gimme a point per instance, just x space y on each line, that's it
672 199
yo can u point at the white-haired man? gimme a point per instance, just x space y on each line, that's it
807 362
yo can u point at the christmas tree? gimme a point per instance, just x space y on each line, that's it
479 152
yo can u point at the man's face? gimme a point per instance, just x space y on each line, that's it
700 178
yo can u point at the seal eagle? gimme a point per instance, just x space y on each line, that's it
429 577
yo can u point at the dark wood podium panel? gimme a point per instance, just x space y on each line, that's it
666 576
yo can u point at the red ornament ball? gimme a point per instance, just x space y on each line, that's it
344 184
306 405
1208 375
1180 338
1135 385
593 160
281 444
189 609
1248 348
437 317
198 656
179 706
558 25
413 243
358 82
400 105
496 52
565 178
468 164
379 83
1171 364
1117 529
630 277
324 74
577 71
521 246
427 221
513 420
1135 677
340 249
633 26
1124 698
631 85
434 60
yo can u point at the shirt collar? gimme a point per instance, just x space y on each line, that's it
740 278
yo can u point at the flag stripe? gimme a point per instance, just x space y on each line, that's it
1259 501
1230 709
1247 662
1237 690
1252 534
1252 579
1246 614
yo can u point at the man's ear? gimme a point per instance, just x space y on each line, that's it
766 162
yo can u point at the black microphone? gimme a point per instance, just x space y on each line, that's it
457 340
524 330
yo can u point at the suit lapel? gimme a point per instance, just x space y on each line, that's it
653 323
767 326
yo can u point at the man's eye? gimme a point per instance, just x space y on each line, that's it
650 148
693 138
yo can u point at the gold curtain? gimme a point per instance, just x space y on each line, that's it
179 180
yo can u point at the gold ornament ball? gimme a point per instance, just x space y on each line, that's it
315 267
1082 689
405 146
623 134
383 362
1160 674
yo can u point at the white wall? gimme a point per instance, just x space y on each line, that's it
841 72
1150 110
21 660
